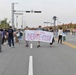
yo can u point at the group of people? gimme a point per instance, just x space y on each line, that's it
6 35
9 35
60 36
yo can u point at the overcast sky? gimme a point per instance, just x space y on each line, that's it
65 10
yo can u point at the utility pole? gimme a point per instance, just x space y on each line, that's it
13 15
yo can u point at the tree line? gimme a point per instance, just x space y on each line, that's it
4 24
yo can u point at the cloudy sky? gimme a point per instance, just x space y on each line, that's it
65 10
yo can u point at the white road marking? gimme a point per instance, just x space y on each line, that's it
31 45
30 70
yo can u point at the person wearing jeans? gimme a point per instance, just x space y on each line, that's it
10 37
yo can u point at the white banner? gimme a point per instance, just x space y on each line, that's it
38 35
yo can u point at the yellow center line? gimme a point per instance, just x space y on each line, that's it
68 44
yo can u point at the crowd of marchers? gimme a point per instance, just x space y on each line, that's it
14 36
59 33
10 36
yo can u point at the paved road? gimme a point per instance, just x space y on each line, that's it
71 39
56 60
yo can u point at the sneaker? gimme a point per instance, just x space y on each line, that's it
27 46
38 46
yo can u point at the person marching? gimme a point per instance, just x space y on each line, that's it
27 42
39 28
53 40
60 34
10 33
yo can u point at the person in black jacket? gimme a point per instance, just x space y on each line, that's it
10 36
51 30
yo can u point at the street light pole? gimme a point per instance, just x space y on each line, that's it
54 18
13 14
16 21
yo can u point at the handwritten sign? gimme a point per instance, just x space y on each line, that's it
38 35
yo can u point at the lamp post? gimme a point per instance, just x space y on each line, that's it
13 14
54 18
16 21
